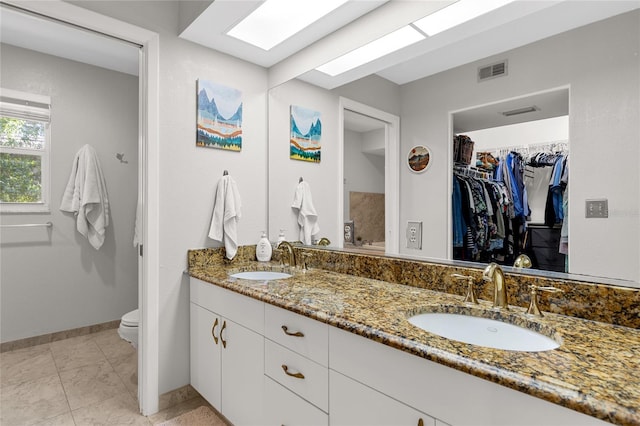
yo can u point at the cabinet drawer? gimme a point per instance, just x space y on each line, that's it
283 407
354 404
241 309
301 334
304 377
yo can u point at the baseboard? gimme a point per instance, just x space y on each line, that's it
176 397
58 335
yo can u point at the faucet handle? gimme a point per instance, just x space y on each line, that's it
278 251
533 305
471 295
305 258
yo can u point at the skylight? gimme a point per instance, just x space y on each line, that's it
396 40
456 14
277 20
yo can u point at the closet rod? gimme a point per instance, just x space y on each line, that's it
28 225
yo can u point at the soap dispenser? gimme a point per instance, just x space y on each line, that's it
263 248
281 237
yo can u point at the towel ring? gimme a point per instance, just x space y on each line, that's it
300 180
225 173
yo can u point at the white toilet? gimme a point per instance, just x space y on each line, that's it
128 329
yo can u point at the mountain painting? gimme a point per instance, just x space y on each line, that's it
306 131
219 116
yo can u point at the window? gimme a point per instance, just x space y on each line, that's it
24 152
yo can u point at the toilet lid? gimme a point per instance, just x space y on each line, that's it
131 319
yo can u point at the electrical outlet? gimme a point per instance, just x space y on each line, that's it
414 235
597 208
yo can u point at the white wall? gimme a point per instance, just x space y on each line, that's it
600 64
363 172
189 174
54 281
285 172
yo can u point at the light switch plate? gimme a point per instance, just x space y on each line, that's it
414 235
597 208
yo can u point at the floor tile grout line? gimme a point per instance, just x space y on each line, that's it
66 397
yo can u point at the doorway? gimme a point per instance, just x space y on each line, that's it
147 45
368 167
529 137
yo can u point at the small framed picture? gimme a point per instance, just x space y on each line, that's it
419 159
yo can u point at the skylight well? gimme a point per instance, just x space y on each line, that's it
274 21
396 40
456 14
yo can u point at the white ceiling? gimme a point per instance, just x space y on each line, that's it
349 27
359 21
58 39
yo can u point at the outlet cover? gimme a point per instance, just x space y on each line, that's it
414 235
597 208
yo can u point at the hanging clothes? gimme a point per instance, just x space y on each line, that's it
554 211
479 209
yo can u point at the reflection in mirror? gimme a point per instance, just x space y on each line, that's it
597 64
510 181
364 182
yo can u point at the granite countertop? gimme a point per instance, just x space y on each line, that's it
596 370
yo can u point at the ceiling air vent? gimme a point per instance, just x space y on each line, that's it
492 71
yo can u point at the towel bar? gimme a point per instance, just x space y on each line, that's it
28 225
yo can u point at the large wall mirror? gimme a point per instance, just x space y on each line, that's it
583 83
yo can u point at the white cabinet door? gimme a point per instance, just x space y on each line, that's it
205 354
283 407
242 374
354 404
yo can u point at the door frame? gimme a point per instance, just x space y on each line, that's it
391 174
148 176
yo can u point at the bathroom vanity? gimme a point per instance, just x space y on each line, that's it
326 347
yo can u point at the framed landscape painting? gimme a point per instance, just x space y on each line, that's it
305 135
219 121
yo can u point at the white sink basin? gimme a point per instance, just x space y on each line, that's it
483 332
261 275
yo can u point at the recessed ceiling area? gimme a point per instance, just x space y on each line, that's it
211 26
359 22
353 25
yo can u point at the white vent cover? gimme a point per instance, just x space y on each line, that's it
487 72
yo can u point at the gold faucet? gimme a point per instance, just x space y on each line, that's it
493 273
522 261
324 241
286 246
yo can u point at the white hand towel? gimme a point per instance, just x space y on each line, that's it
307 216
86 196
226 213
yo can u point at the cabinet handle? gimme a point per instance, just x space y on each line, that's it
296 375
213 331
224 342
420 422
288 333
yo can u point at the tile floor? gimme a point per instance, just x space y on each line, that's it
86 380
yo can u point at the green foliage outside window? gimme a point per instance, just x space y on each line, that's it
21 174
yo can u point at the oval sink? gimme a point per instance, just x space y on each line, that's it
261 275
483 332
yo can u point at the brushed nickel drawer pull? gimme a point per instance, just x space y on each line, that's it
213 331
296 375
288 333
